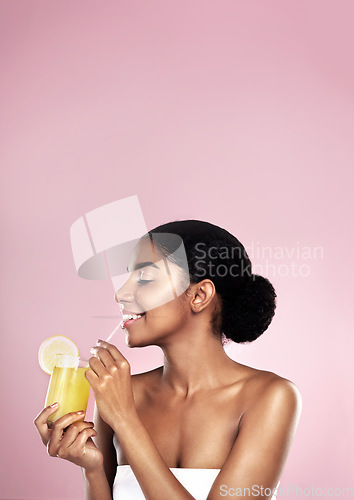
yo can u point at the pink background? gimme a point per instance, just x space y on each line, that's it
237 113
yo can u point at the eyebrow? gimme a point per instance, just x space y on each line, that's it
143 264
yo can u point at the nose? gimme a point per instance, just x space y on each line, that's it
121 305
121 299
124 294
126 302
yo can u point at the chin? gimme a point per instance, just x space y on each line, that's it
131 342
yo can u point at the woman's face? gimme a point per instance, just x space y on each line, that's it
155 290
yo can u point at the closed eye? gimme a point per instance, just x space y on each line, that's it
143 282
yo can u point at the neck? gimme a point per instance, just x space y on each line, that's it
193 362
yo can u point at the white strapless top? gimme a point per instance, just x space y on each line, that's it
198 482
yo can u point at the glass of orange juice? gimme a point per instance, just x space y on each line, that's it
68 385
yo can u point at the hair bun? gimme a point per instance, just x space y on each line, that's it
248 312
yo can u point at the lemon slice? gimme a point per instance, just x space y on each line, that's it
49 348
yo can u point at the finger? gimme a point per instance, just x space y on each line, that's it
82 439
115 353
104 355
97 366
41 421
76 450
42 416
57 431
91 377
73 431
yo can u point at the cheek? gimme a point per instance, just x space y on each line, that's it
155 295
168 318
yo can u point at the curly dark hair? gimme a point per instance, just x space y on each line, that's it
247 301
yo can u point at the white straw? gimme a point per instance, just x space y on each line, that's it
114 331
121 307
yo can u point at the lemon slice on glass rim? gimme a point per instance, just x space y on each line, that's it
49 348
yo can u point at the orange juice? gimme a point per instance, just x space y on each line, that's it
68 386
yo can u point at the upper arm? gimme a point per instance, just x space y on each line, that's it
265 435
104 442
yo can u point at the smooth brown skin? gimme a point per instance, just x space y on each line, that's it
199 410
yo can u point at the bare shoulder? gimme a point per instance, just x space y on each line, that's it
262 387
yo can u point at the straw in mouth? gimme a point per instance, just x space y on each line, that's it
121 307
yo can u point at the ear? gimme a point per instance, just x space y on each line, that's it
202 294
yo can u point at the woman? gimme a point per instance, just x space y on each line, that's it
201 425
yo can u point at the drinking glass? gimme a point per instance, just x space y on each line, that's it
68 385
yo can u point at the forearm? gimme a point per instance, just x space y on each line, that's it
155 478
96 486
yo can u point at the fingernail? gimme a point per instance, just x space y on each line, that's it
93 350
80 412
99 341
53 405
